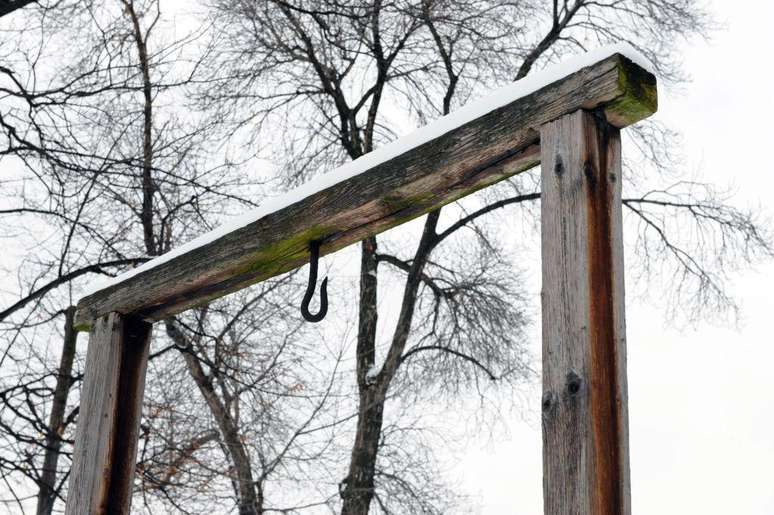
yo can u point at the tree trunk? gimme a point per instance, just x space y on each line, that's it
249 492
358 487
64 380
358 490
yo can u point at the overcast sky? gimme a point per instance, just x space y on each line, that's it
701 400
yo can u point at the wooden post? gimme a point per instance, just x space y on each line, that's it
585 423
109 418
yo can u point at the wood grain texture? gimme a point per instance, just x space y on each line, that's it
109 417
486 150
585 421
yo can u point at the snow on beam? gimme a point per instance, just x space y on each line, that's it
476 146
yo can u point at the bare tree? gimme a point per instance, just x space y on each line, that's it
116 176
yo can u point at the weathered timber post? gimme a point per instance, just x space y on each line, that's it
111 405
585 424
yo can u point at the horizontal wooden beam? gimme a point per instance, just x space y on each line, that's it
481 152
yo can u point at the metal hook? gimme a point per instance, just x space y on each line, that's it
314 252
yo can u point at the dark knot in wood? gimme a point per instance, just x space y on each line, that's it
574 384
548 401
590 174
559 166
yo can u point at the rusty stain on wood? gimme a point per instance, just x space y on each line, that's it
604 407
585 429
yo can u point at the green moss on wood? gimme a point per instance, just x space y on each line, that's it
411 207
399 202
82 328
274 258
638 98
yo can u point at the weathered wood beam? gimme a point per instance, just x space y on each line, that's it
481 152
109 417
585 422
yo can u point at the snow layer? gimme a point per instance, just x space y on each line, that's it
498 98
371 374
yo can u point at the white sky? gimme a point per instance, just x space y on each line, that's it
701 401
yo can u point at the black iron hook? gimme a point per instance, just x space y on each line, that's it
314 258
